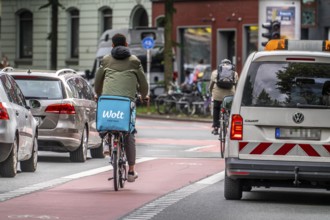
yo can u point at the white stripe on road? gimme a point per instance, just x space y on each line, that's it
51 183
154 208
198 148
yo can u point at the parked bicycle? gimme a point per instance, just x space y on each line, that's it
166 103
224 122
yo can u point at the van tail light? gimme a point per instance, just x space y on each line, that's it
64 108
236 132
3 112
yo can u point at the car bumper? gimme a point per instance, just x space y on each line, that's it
277 170
65 139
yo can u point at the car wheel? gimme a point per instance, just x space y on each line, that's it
233 189
80 155
97 152
30 165
8 168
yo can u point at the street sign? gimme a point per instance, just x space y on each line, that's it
148 43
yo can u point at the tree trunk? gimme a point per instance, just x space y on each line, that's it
53 51
168 55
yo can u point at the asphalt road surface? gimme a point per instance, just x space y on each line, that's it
180 177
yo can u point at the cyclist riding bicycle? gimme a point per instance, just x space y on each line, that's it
218 94
121 74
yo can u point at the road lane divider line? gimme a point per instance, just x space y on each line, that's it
198 148
155 207
52 183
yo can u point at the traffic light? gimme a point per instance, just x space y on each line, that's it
273 31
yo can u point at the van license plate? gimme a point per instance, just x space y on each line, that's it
298 133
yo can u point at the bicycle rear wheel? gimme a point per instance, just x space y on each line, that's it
116 175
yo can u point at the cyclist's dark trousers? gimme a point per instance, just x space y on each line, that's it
216 113
130 149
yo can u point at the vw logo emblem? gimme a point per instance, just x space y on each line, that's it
298 117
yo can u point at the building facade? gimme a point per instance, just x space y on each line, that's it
25 29
212 30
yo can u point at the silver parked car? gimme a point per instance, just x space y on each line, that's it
18 130
64 105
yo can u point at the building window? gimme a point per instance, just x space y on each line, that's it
107 19
160 21
74 19
25 34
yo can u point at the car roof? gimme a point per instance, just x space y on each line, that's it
62 73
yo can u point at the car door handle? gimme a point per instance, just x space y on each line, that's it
17 113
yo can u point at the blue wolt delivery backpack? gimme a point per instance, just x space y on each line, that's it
114 113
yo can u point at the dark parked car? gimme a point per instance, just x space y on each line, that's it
18 130
64 106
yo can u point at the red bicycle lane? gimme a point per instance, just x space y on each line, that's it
93 197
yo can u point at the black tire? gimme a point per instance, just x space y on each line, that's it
30 165
222 138
161 104
184 106
97 152
116 176
8 168
233 189
80 155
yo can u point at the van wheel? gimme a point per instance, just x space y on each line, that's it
97 152
30 165
233 189
80 155
8 168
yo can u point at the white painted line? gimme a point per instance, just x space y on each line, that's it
152 209
51 183
198 148
213 179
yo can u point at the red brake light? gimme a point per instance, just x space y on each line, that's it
236 132
3 112
65 108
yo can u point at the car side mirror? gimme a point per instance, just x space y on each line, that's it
89 74
227 102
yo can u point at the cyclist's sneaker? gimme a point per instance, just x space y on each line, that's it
215 131
132 176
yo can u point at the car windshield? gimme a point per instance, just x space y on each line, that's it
40 89
283 84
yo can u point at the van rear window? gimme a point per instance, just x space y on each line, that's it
287 84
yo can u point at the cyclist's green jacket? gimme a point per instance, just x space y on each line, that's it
121 74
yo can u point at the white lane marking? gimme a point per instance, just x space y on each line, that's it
51 183
198 148
152 209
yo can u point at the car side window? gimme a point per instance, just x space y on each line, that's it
13 92
74 89
87 90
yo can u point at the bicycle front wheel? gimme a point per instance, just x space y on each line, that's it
222 139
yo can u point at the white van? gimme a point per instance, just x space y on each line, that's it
279 130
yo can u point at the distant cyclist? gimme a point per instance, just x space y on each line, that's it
218 92
121 74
